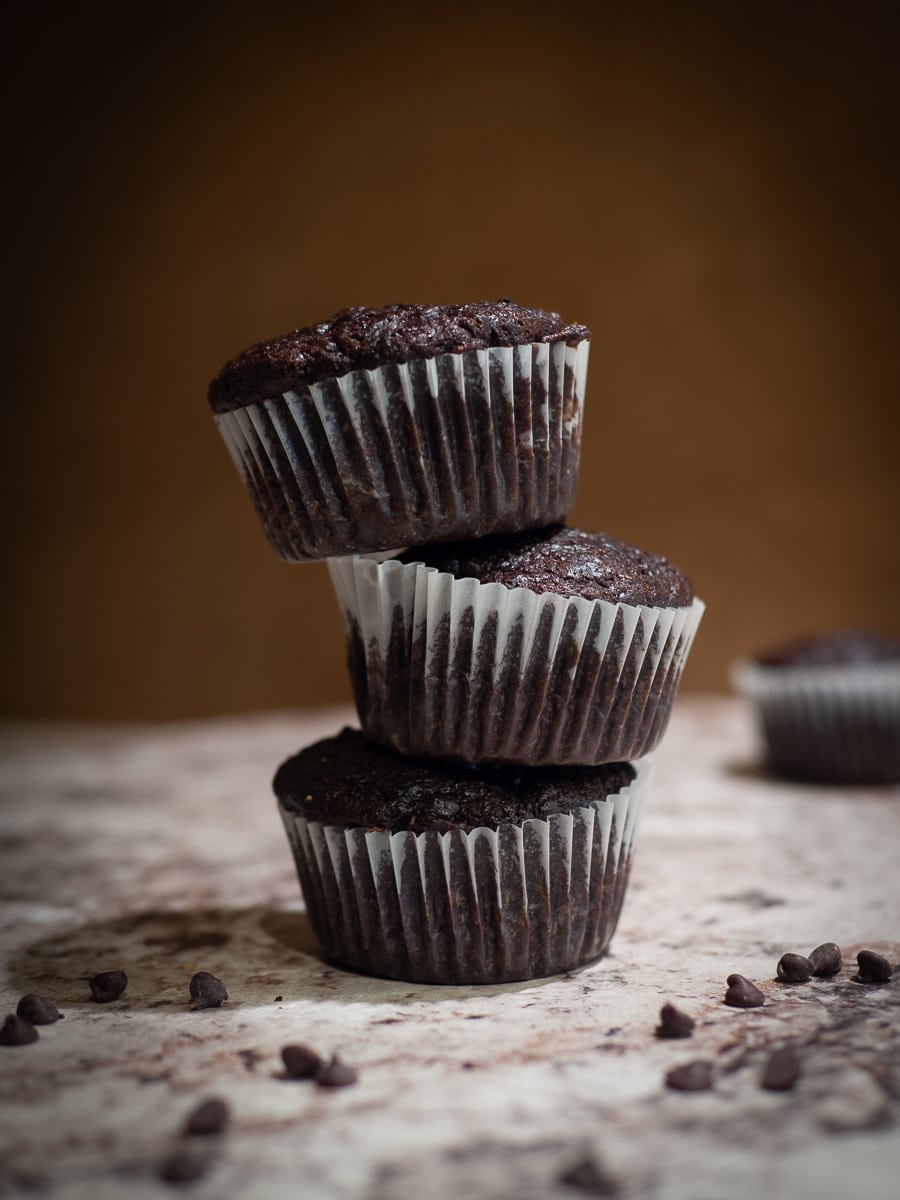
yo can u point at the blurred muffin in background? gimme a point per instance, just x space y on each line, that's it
828 706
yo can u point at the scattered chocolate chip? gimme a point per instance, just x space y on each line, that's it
794 968
184 1166
742 993
335 1074
206 991
781 1072
300 1062
278 999
590 1179
16 1032
872 968
826 959
208 1118
673 1023
107 986
696 1076
38 1011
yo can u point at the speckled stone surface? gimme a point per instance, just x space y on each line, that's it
158 850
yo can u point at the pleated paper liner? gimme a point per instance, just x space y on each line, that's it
456 446
488 906
827 724
454 668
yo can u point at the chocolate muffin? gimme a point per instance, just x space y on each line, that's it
828 706
440 873
549 648
382 427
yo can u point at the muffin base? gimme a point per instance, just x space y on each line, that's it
485 906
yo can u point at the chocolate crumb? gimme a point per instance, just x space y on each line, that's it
673 1023
16 1032
206 991
184 1166
250 1058
335 1074
278 999
872 968
826 959
794 968
300 1062
696 1076
207 1119
38 1011
590 1178
781 1072
742 993
108 986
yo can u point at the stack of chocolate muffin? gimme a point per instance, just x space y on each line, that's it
510 673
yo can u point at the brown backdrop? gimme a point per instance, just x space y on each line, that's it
717 198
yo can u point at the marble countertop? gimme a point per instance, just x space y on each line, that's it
158 850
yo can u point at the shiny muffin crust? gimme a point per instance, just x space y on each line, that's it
567 562
349 781
363 338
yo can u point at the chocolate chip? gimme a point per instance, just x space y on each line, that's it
673 1023
781 1072
206 991
278 999
696 1076
590 1179
38 1011
742 993
335 1074
16 1032
872 968
300 1062
826 959
794 968
207 1119
184 1166
107 986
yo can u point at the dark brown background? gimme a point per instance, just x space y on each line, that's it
715 195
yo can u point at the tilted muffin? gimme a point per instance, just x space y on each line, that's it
383 427
552 647
828 706
435 873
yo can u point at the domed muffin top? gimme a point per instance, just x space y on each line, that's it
567 562
362 338
348 780
838 648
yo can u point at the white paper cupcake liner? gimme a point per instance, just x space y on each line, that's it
827 724
454 668
456 446
488 906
